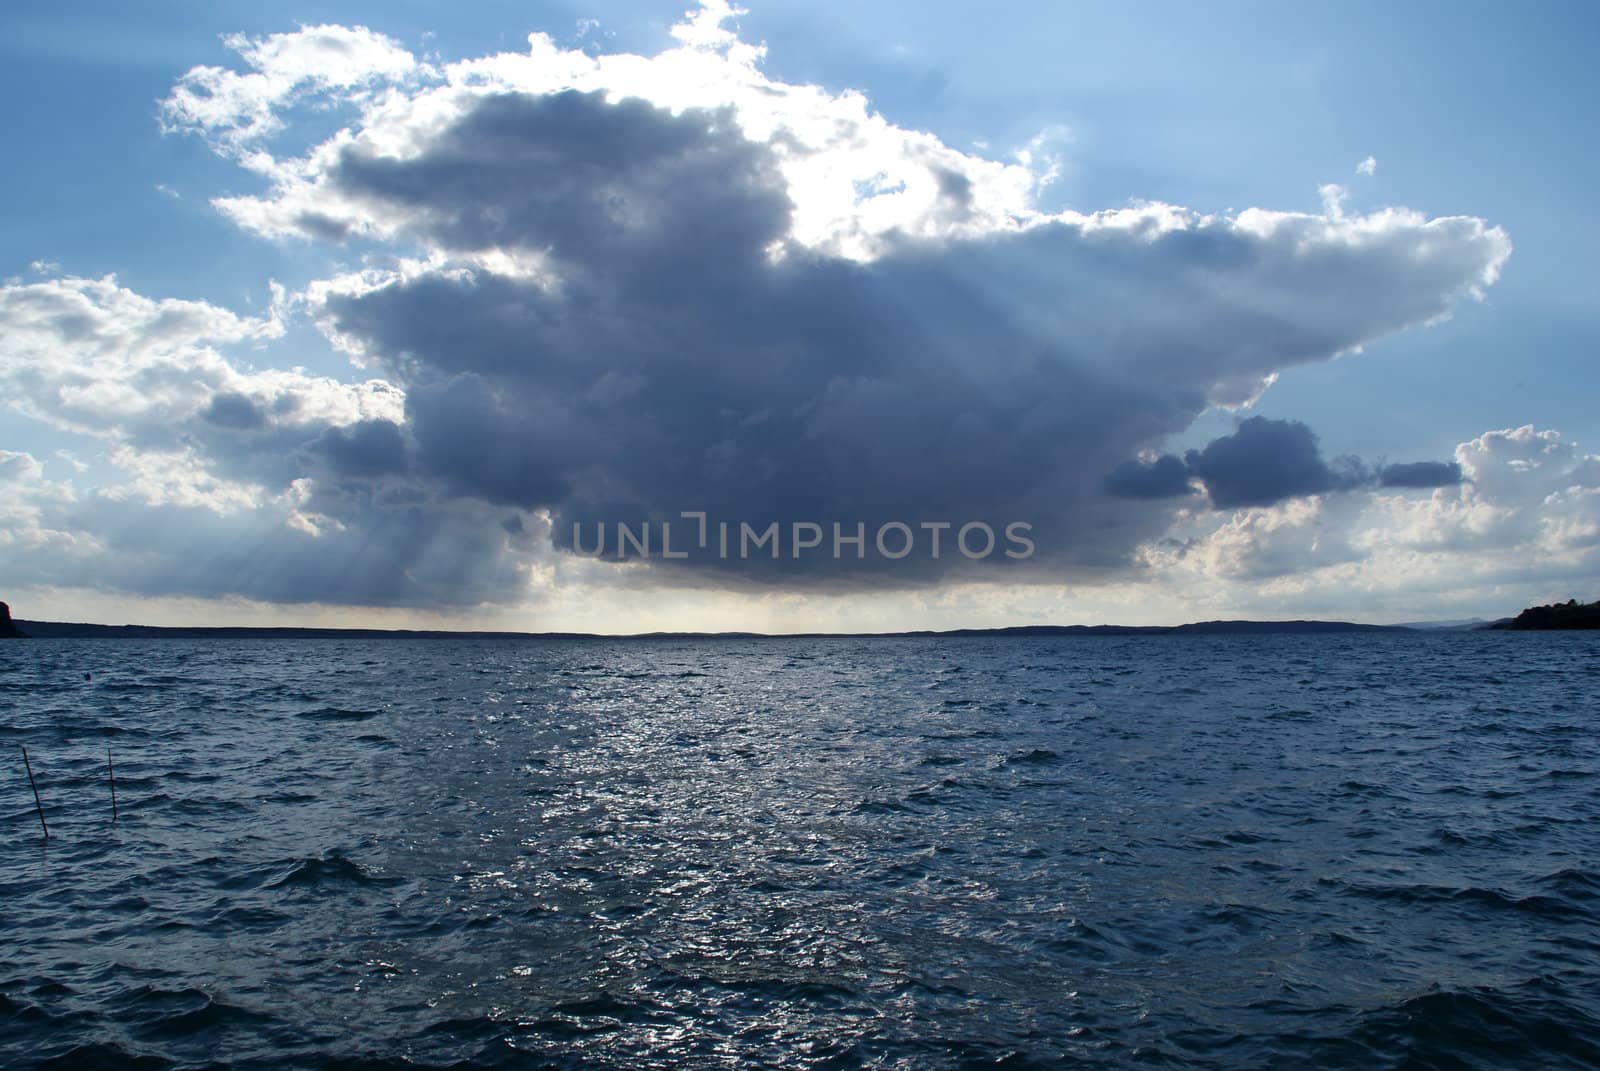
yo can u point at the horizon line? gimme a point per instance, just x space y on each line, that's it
1224 626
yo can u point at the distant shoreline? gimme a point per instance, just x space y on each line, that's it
81 630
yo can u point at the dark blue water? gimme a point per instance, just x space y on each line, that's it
1364 852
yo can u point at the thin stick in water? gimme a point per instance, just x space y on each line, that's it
112 774
36 803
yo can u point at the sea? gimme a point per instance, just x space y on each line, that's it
1361 851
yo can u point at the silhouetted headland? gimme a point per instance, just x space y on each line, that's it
1569 614
8 628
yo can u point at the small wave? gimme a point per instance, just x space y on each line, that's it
250 918
1037 757
465 1028
325 870
1485 1027
1494 899
336 714
22 1013
74 727
881 807
185 775
1451 839
1291 715
600 1014
193 1012
1573 884
103 1057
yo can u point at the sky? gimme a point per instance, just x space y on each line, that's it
867 318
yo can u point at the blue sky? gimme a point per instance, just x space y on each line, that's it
1471 110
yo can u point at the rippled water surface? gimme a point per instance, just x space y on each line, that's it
1338 851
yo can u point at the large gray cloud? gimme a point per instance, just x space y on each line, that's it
613 310
678 352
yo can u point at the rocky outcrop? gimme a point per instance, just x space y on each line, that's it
7 629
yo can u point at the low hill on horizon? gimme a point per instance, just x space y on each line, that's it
85 630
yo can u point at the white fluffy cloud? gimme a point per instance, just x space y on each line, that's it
855 177
236 110
271 484
17 467
150 377
1525 519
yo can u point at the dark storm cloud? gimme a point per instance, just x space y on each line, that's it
626 187
1420 474
819 411
230 409
674 368
366 448
1165 477
1265 462
515 451
671 362
604 311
